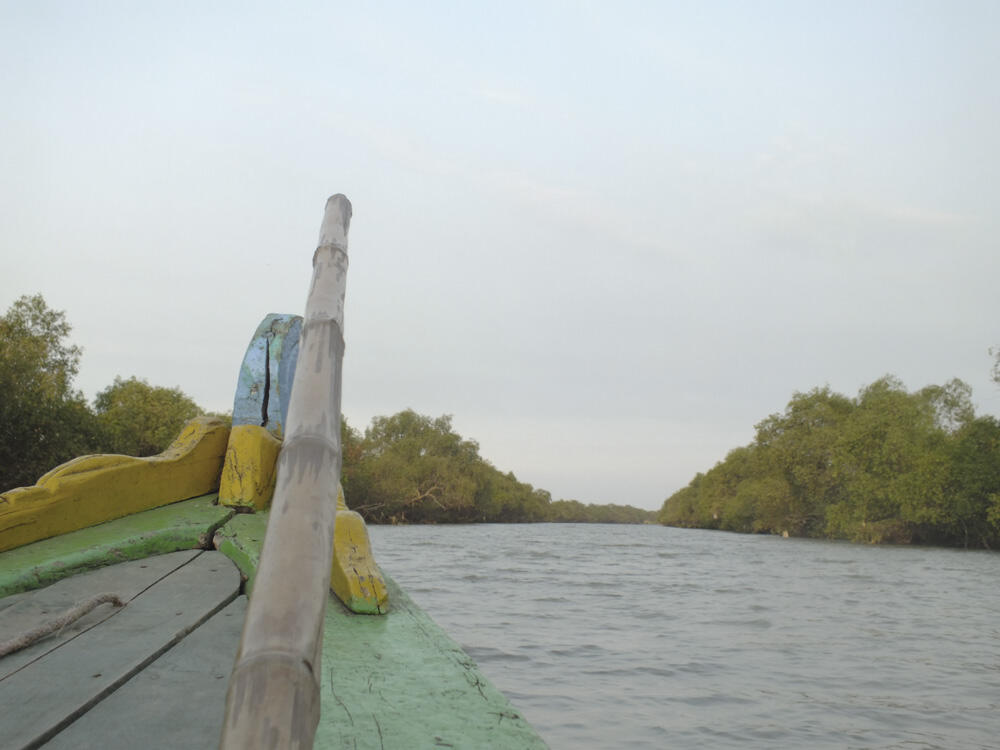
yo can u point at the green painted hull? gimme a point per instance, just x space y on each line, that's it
390 681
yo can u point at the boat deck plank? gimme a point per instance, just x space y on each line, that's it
183 525
21 612
53 691
177 701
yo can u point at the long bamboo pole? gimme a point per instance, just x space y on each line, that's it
273 698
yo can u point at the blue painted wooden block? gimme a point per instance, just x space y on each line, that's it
267 372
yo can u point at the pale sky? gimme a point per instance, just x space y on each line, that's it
608 238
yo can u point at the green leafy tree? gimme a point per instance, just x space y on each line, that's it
573 511
567 511
890 458
502 498
680 508
796 451
415 468
138 419
974 485
886 466
43 420
411 468
950 403
352 452
719 489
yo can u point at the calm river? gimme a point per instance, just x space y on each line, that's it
652 637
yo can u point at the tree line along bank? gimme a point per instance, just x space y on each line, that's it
886 466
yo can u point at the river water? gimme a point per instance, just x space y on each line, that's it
652 637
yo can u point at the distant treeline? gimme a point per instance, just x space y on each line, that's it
573 511
886 466
411 468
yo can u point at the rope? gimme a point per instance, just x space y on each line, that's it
53 626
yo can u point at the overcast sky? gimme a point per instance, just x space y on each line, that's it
608 238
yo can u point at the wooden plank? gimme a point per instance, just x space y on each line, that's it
184 525
52 692
266 373
240 539
93 489
22 612
177 701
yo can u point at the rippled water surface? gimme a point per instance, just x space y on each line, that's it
651 637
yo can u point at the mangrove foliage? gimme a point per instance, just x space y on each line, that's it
886 466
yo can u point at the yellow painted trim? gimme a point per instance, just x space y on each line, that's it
92 489
341 502
354 576
248 474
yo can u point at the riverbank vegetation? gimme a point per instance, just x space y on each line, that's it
45 421
411 468
886 466
406 468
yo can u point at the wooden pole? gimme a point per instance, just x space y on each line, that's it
273 698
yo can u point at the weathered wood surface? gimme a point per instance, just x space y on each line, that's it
21 612
399 681
273 698
93 489
266 374
50 693
248 475
180 526
176 702
240 540
354 576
